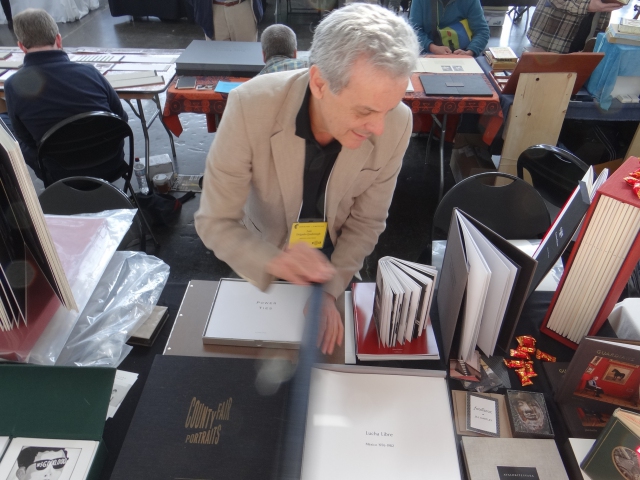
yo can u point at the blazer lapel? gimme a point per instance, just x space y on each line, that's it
348 164
288 150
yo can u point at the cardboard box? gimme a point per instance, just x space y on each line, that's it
160 164
56 402
467 161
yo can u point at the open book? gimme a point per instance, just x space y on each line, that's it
29 263
493 276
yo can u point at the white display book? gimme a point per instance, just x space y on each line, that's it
243 315
48 458
379 426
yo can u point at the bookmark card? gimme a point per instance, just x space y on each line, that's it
482 415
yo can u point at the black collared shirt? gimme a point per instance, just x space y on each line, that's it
318 163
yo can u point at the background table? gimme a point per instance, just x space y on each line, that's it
164 9
212 104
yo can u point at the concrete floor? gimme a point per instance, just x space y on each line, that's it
415 198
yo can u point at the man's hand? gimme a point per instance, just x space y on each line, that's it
302 265
330 330
600 6
439 49
464 52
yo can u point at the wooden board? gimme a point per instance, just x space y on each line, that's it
536 115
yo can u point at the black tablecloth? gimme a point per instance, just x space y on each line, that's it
164 9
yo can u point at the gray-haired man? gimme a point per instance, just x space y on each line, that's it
324 145
280 49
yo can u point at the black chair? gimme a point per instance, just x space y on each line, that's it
85 144
555 172
515 211
74 195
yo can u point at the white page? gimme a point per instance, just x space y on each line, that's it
503 275
413 292
4 442
477 286
349 331
581 447
448 65
426 275
343 407
241 312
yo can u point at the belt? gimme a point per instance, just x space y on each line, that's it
228 4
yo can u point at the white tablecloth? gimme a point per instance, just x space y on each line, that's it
625 319
61 10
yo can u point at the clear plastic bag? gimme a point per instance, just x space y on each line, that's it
126 294
85 244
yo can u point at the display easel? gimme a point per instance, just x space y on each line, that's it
536 115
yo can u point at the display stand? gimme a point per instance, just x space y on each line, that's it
532 121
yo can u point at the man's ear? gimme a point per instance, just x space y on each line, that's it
59 41
21 473
295 54
317 83
264 57
22 47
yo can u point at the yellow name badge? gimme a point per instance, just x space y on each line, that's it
311 233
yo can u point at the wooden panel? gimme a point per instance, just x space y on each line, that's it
634 148
536 115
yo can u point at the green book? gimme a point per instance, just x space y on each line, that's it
616 452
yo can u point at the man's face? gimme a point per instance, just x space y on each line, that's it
43 467
359 110
530 415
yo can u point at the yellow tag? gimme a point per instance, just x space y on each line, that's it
311 233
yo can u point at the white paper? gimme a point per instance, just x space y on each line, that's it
482 414
447 65
79 456
4 442
410 87
581 447
378 427
122 383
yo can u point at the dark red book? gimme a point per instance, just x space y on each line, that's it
601 262
367 345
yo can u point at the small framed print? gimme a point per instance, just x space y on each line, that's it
528 415
483 415
30 458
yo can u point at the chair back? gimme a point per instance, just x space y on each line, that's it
86 141
514 211
555 172
73 195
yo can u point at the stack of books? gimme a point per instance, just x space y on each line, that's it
615 33
501 58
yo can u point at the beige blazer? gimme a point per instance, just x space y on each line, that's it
252 187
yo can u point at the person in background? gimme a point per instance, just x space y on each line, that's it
450 14
562 26
323 145
280 50
233 20
50 88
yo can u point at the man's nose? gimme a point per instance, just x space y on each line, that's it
376 125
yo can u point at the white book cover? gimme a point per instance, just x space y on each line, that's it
244 315
4 441
581 447
30 458
378 427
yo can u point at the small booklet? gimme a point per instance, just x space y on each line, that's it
483 414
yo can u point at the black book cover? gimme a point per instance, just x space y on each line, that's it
555 373
207 418
560 233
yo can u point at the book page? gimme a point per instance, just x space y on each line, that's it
378 427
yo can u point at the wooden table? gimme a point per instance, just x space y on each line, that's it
131 94
212 104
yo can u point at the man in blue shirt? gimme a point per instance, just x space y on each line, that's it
280 49
449 13
50 88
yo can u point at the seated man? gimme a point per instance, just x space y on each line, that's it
280 49
564 27
592 385
50 88
324 145
450 14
